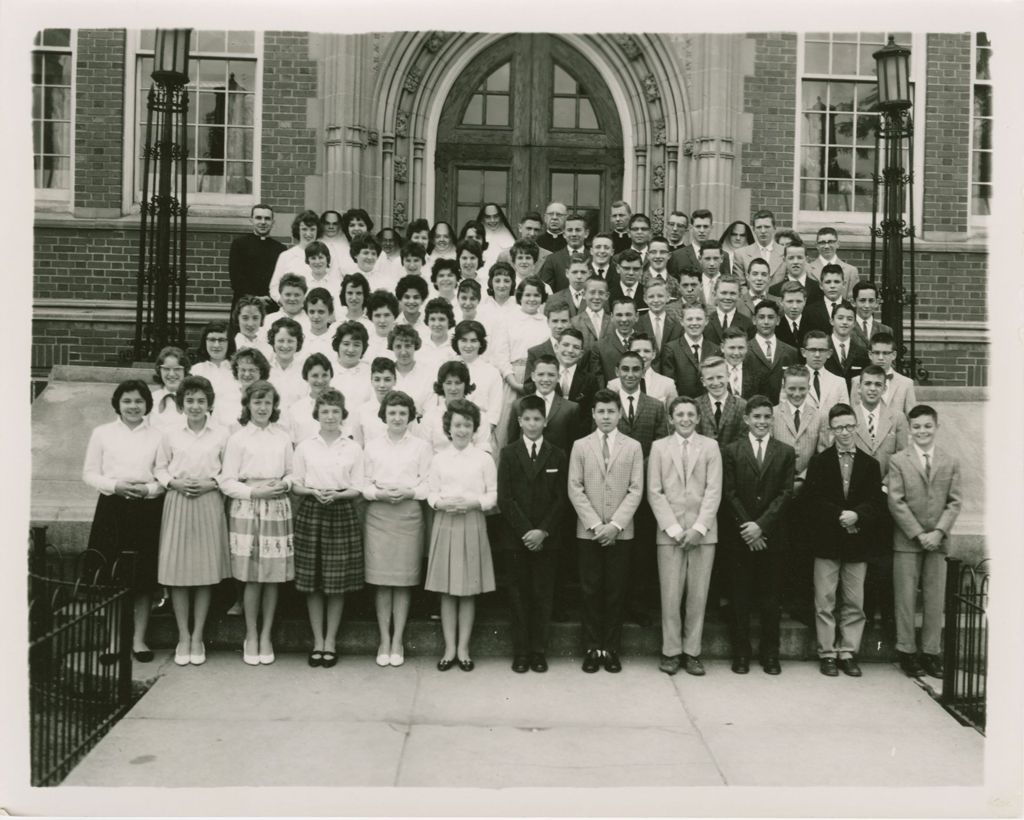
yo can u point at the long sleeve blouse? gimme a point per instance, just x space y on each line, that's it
254 453
117 452
402 464
186 453
322 465
489 394
469 472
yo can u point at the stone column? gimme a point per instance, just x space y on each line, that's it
344 131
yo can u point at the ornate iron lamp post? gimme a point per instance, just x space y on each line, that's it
160 302
893 193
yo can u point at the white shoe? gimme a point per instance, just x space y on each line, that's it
383 660
181 658
267 658
397 658
252 660
198 658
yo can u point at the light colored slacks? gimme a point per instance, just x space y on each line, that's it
849 579
930 569
683 570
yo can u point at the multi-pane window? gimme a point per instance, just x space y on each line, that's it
570 105
477 186
52 110
489 104
581 193
838 123
222 116
981 138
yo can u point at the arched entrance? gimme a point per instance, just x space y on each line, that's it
527 121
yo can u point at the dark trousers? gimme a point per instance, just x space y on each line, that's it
530 585
755 579
643 593
603 573
567 567
797 565
878 590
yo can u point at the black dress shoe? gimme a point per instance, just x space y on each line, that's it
849 666
932 665
108 658
669 664
693 665
829 668
329 659
538 663
445 664
771 666
910 665
315 658
520 664
466 665
612 662
592 661
143 655
741 666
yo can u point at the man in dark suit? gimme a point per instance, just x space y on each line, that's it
743 381
794 325
795 261
558 322
562 424
721 411
577 380
758 479
848 357
532 476
865 300
844 504
252 258
609 350
552 239
602 250
681 358
677 229
629 266
620 214
768 355
725 313
687 258
821 313
552 272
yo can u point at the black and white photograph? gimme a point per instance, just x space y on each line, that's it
455 411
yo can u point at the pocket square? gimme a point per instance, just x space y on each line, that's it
551 470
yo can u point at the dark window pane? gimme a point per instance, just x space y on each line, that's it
37 103
57 37
495 186
844 58
981 68
57 69
816 58
981 166
209 110
470 185
867 96
240 109
564 113
902 37
37 137
841 129
563 82
867 128
57 105
862 197
867 65
474 111
982 39
841 96
982 101
840 162
840 196
587 117
242 75
983 134
812 162
499 79
873 38
211 143
464 213
210 73
239 143
497 110
56 138
56 172
588 190
865 163
981 199
844 36
814 95
37 69
238 179
211 41
562 187
814 128
811 195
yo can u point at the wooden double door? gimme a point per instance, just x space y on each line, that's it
528 121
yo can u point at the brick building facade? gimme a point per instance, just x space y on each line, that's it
732 122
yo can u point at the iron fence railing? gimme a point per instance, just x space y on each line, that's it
80 670
965 642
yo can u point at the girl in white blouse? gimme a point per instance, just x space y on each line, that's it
395 473
172 366
463 485
194 533
300 420
213 356
327 475
257 461
319 307
119 463
453 384
249 314
470 342
351 371
286 337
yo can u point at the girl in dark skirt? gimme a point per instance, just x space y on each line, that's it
327 474
119 462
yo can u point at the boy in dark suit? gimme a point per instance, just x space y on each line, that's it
721 411
758 471
844 503
681 358
744 379
532 475
768 355
561 416
726 313
849 357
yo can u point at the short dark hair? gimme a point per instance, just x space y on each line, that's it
314 359
473 247
320 295
672 405
639 217
414 250
308 218
862 286
734 333
359 281
293 327
796 243
758 260
439 305
194 384
545 358
791 286
382 364
412 281
457 368
628 255
396 398
532 402
131 386
470 285
606 396
292 280
249 301
710 245
317 248
362 216
840 409
469 326
764 213
527 246
404 332
331 397
259 206
464 408
382 299
756 403
766 304
216 326
442 265
834 269
350 328
630 354
844 305
499 269
164 354
254 356
531 281
361 243
919 410
701 213
883 338
873 370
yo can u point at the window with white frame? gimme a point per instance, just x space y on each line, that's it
838 122
53 107
223 114
981 131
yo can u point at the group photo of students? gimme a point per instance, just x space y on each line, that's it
641 427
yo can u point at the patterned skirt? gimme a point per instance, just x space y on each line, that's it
193 541
395 535
460 555
122 525
328 547
260 539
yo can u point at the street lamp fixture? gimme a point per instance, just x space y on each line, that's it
892 67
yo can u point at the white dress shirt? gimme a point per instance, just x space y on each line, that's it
186 453
402 464
469 473
322 465
117 452
254 453
354 384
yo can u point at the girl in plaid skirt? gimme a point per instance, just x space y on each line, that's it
327 474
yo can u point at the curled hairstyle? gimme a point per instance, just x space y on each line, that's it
216 326
473 247
254 356
500 269
382 299
453 368
309 219
471 285
293 327
442 265
439 305
131 386
351 328
314 359
164 355
320 295
355 213
331 398
257 390
464 408
293 280
359 281
469 326
405 333
412 281
481 232
396 398
317 248
531 281
194 384
672 405
249 301
361 243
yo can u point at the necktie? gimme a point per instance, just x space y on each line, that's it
831 310
768 350
565 383
632 413
760 452
871 425
656 321
927 466
597 323
533 452
685 457
696 352
842 354
577 298
600 272
817 385
605 452
725 321
796 420
718 414
796 331
864 327
734 381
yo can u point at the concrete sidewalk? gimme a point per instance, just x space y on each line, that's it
226 724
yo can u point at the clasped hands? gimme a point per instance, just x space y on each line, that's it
753 536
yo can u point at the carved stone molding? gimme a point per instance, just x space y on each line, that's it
651 91
401 169
688 148
629 45
372 137
333 135
435 41
658 178
658 129
413 79
402 124
657 221
398 215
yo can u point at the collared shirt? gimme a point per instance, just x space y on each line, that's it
187 453
764 439
577 297
839 344
530 444
624 397
402 464
763 343
629 291
613 437
922 453
735 378
254 453
873 415
548 401
469 472
845 468
729 317
431 429
288 381
354 384
565 377
117 452
765 251
323 465
489 393
708 283
691 343
597 319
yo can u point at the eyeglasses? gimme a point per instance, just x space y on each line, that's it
819 350
845 428
172 369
